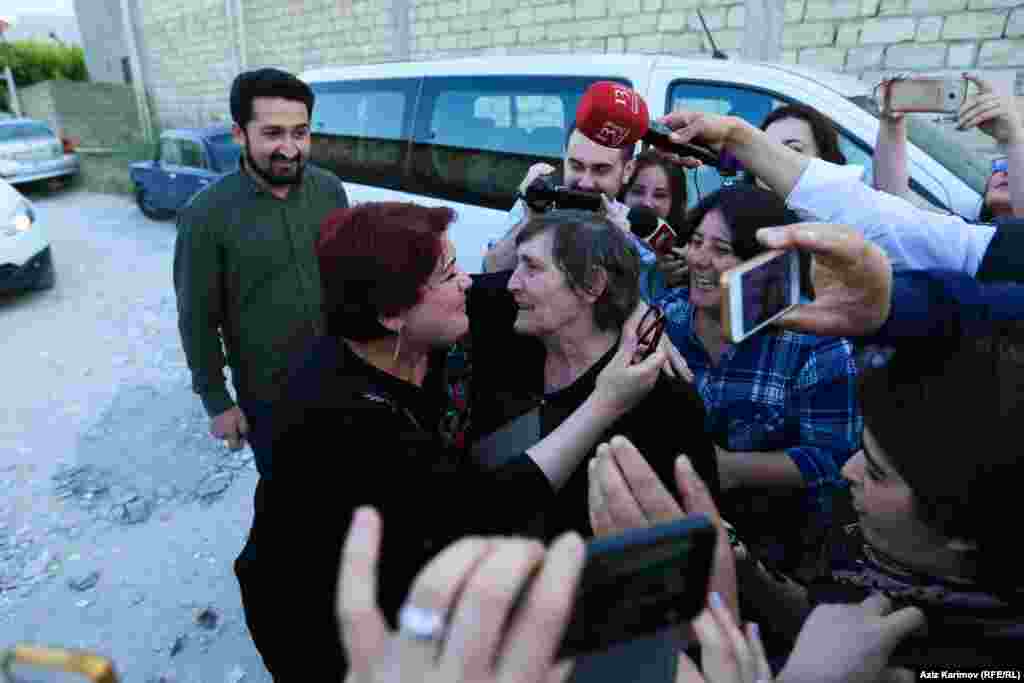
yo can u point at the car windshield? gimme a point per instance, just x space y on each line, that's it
937 142
23 131
225 152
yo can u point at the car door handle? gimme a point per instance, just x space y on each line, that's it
172 175
204 182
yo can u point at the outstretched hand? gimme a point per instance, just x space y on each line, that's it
852 280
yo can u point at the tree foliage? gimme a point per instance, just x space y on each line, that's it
34 61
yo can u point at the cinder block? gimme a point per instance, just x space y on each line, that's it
888 30
640 24
808 35
626 8
974 25
831 10
588 9
651 42
1002 53
929 29
794 11
934 7
545 15
861 58
915 57
829 58
1015 26
992 4
671 21
962 55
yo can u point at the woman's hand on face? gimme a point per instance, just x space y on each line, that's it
995 115
626 380
472 584
675 365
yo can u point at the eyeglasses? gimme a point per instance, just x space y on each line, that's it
1000 165
648 332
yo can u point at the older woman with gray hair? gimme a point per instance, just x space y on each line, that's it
541 334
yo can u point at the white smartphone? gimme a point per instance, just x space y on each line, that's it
758 291
937 95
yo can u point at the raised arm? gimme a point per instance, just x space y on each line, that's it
890 158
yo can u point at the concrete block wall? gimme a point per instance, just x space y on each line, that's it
37 103
189 54
98 114
191 47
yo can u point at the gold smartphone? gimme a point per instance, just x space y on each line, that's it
756 292
933 95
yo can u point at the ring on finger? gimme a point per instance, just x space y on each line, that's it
420 624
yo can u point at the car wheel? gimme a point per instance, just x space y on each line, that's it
147 208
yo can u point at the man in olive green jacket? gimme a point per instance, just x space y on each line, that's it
245 270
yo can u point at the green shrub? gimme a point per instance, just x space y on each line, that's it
34 61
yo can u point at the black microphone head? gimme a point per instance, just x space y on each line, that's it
642 221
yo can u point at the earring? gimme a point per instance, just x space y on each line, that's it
398 346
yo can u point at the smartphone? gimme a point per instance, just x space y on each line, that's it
39 664
938 95
640 582
759 291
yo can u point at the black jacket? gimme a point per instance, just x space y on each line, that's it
345 435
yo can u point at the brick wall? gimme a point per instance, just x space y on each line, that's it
190 47
98 114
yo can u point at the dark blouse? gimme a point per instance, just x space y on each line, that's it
347 434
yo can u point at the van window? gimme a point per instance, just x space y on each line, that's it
754 105
359 129
476 137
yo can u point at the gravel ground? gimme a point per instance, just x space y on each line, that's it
120 515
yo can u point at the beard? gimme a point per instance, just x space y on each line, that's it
267 174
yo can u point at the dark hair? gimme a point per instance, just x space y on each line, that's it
826 135
268 82
627 152
584 241
374 260
676 182
747 208
948 418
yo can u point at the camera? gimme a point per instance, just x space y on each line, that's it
542 195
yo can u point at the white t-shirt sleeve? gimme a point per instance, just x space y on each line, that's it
913 238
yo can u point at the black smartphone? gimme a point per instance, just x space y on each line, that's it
640 582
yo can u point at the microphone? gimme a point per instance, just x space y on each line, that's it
613 115
652 229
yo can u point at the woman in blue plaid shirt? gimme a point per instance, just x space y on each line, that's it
781 406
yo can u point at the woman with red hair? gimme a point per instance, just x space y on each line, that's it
358 425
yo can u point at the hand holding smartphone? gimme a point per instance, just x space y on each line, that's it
638 583
757 292
931 95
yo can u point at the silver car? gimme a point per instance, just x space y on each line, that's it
29 151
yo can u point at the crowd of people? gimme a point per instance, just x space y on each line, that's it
857 510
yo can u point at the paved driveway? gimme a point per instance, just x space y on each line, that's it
108 475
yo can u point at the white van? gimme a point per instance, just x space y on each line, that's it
463 133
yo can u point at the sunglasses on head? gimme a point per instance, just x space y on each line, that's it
1000 165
